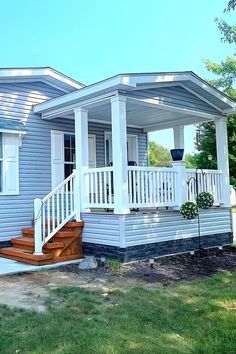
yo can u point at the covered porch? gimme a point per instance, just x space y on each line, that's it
148 102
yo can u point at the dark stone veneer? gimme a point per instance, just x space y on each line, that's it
5 244
157 249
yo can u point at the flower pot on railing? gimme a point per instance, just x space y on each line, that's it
177 154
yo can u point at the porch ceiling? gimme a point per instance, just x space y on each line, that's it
144 116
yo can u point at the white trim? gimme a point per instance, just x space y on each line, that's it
70 108
128 82
10 131
13 74
68 133
170 124
4 160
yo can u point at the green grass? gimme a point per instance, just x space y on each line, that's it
234 210
196 317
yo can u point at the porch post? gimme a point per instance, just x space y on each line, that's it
222 158
119 154
180 165
82 159
178 137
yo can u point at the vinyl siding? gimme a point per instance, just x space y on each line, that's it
103 229
152 227
165 226
16 102
175 96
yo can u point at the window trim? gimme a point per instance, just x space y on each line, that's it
109 134
4 160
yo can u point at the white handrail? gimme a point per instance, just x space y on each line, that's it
53 211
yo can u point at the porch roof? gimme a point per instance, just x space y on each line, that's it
154 100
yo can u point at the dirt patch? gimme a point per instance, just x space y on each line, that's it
174 268
30 290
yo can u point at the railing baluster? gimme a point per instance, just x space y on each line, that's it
48 217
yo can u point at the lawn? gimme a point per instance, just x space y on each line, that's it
186 317
234 210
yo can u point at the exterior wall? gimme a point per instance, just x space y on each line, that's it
16 100
141 235
99 130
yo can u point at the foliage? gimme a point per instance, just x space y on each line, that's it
189 210
225 73
115 265
158 155
231 5
184 317
190 161
205 200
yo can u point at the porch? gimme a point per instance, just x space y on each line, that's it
147 102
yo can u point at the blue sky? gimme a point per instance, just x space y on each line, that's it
92 40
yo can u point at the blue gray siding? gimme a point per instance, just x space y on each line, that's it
16 102
145 228
175 96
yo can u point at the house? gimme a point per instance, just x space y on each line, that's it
70 152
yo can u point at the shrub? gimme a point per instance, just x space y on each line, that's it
205 200
189 210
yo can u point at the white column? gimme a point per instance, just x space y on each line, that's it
82 159
181 183
178 137
222 158
119 154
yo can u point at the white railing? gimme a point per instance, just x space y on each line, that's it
100 188
208 181
53 211
152 187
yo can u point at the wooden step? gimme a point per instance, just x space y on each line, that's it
28 233
28 243
64 245
26 256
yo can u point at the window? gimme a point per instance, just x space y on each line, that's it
9 164
63 154
69 154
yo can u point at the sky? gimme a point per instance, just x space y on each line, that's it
96 39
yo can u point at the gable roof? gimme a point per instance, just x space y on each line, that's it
44 74
141 81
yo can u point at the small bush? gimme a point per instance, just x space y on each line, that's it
189 210
115 265
205 200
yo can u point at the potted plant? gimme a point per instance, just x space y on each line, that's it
177 154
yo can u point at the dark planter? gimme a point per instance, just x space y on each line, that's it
177 154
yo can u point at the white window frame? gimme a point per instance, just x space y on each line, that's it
108 136
4 160
63 149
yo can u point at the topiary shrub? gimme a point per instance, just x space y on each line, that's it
189 210
205 200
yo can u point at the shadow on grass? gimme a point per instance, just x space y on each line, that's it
195 317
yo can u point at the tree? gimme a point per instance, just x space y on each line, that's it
225 80
158 155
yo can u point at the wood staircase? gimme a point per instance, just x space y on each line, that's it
65 245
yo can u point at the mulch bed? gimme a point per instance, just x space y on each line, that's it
170 269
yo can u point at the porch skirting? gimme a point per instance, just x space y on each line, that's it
157 249
153 233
